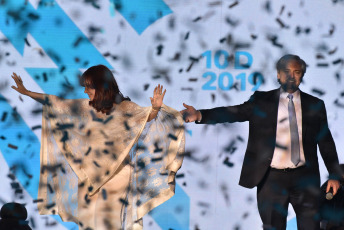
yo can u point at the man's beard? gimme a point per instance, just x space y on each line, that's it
289 86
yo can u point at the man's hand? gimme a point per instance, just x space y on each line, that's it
190 114
334 184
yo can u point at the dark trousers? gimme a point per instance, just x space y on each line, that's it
298 187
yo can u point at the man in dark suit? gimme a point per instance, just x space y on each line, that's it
285 127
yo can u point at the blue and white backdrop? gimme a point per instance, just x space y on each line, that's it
206 53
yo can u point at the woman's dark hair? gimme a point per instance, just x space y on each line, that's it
107 92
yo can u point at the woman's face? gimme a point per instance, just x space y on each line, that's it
89 90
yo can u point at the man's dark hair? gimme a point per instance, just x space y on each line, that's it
282 62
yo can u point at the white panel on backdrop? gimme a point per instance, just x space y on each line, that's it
169 52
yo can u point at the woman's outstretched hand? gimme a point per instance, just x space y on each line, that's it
156 100
158 97
20 86
21 89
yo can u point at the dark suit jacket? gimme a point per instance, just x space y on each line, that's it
261 112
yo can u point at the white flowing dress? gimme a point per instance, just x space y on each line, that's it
107 171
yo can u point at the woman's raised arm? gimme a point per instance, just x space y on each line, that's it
156 100
21 89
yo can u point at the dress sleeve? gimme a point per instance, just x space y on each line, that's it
157 158
60 157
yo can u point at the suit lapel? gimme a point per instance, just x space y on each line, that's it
274 107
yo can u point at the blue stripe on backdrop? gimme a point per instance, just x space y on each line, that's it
174 213
141 14
52 28
20 147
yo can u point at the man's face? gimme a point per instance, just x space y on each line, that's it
290 77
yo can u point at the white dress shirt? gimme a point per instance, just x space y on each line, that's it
282 154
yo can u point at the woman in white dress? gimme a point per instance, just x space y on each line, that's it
106 162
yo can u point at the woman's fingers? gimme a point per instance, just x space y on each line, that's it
15 80
15 88
15 77
158 91
19 87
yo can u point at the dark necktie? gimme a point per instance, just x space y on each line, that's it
294 134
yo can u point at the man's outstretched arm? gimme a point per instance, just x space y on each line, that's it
237 113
